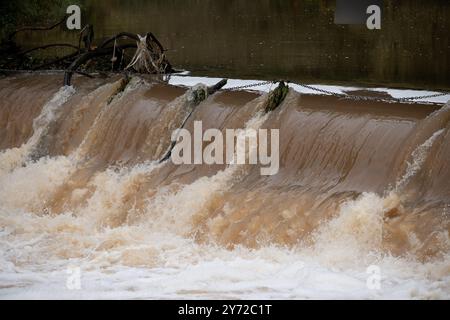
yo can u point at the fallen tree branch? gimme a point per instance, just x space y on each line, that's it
18 58
85 57
87 39
122 35
219 85
46 64
200 96
149 56
68 45
156 51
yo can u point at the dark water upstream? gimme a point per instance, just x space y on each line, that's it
292 39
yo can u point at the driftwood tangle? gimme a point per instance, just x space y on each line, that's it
149 54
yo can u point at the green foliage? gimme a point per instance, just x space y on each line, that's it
276 97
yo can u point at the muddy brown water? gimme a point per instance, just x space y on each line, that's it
331 151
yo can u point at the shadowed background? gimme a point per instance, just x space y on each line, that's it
273 39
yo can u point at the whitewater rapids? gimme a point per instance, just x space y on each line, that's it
361 184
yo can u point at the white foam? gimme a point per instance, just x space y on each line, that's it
189 270
153 255
418 156
11 158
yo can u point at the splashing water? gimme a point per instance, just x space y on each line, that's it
11 158
418 156
139 229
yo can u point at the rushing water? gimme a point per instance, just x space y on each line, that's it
293 39
360 184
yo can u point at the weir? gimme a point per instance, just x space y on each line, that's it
368 177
